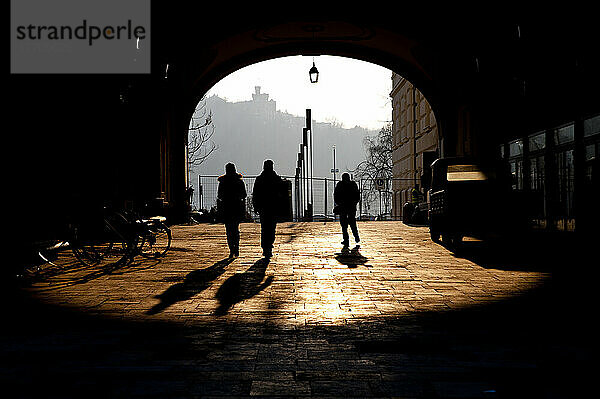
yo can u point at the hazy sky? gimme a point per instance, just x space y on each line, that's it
349 91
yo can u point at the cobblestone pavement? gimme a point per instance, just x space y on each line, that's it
401 316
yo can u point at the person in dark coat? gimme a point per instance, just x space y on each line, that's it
346 195
266 199
231 195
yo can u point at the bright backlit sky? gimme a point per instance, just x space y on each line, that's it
349 91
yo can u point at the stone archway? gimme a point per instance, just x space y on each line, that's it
500 76
340 38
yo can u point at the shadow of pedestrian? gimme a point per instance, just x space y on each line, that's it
194 282
243 286
351 257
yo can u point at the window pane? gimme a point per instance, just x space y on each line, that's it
564 135
591 126
536 176
515 148
590 152
537 142
516 169
533 168
566 177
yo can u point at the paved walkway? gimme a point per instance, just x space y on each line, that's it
400 316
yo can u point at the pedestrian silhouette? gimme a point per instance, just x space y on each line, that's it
231 206
346 196
266 199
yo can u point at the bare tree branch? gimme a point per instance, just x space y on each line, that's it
200 144
377 165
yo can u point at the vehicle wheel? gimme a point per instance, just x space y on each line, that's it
457 240
88 255
122 253
447 239
156 242
89 252
434 230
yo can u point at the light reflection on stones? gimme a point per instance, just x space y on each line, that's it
399 271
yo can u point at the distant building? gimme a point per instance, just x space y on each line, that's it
414 141
248 132
260 106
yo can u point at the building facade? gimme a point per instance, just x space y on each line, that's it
415 141
555 171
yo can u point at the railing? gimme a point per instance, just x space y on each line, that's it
310 198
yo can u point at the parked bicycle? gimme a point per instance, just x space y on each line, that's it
35 255
154 236
118 237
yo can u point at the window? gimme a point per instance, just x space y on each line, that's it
515 148
537 142
515 153
591 156
536 173
566 177
516 170
590 152
591 133
591 126
564 135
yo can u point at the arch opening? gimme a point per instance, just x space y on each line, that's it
282 94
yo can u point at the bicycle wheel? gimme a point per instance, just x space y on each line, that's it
124 241
156 240
121 252
88 250
111 243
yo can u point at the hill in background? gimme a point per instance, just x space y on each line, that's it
249 132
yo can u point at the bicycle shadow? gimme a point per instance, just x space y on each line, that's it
62 269
351 257
194 283
243 286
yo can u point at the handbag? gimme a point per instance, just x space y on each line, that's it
337 210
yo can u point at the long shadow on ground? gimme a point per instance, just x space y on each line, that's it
537 345
243 286
194 283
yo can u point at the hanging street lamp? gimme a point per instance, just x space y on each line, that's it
313 73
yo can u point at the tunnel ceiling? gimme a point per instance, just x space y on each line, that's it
438 50
458 58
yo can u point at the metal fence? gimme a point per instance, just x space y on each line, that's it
310 198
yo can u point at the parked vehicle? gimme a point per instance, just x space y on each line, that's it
470 198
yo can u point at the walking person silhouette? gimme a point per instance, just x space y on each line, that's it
346 195
266 199
231 195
